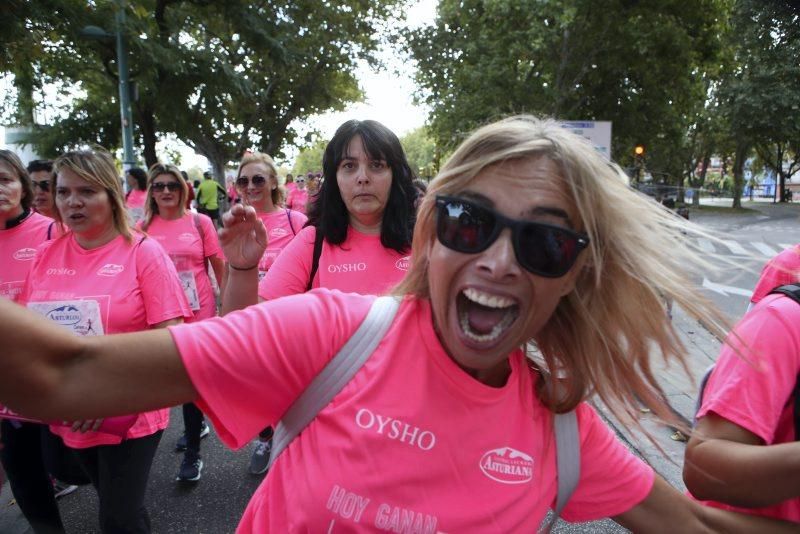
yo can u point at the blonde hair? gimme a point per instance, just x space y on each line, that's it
601 336
97 167
150 206
276 194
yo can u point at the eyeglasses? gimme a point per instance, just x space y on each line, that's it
44 185
160 186
257 181
543 249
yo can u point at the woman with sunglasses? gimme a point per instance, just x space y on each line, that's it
103 278
527 235
358 235
41 173
23 445
190 239
257 186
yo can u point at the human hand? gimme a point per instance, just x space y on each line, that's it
86 425
243 237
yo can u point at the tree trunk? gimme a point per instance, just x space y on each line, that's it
738 173
147 126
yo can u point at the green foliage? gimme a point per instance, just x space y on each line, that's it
310 158
420 151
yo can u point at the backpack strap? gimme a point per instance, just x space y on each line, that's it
318 239
790 290
336 374
568 462
291 225
50 230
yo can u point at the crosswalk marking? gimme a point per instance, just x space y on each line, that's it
784 246
705 245
763 248
735 247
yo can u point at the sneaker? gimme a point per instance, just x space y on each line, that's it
191 468
60 489
180 445
259 462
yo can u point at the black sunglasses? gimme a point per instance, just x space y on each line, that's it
257 180
160 186
44 185
543 249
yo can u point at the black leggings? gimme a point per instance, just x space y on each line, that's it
23 460
192 424
119 473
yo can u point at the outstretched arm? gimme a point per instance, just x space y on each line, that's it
726 463
243 238
667 510
49 373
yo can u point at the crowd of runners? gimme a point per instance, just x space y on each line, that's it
524 279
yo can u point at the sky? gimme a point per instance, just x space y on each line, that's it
388 97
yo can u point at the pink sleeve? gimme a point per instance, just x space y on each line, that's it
289 274
753 394
210 241
163 296
612 479
249 366
298 220
779 271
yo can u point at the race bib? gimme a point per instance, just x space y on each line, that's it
79 316
189 286
136 215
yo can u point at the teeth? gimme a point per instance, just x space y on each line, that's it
491 336
484 299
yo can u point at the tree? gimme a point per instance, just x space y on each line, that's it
420 150
310 158
633 63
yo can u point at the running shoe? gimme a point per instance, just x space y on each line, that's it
180 445
61 489
259 462
191 468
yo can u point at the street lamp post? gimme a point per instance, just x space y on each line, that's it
94 32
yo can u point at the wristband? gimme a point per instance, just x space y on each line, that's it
242 268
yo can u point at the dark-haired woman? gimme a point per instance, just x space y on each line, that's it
358 234
190 239
135 198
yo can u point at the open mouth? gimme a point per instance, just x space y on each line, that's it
484 317
76 217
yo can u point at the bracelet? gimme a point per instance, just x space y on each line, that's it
242 268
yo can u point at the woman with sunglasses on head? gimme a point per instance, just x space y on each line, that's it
103 278
23 445
358 235
257 186
527 235
190 239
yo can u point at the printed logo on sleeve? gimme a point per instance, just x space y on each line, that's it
403 263
278 232
507 466
110 269
186 237
25 254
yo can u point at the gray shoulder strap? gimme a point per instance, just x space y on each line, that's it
568 462
336 374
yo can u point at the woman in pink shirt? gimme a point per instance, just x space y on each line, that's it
102 278
24 445
527 236
190 239
358 235
257 186
135 198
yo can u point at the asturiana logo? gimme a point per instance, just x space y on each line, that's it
507 465
110 269
278 232
25 254
66 315
403 263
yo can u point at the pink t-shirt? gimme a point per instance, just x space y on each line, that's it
411 444
757 395
361 264
135 204
291 186
280 232
188 248
781 270
114 288
18 250
297 200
